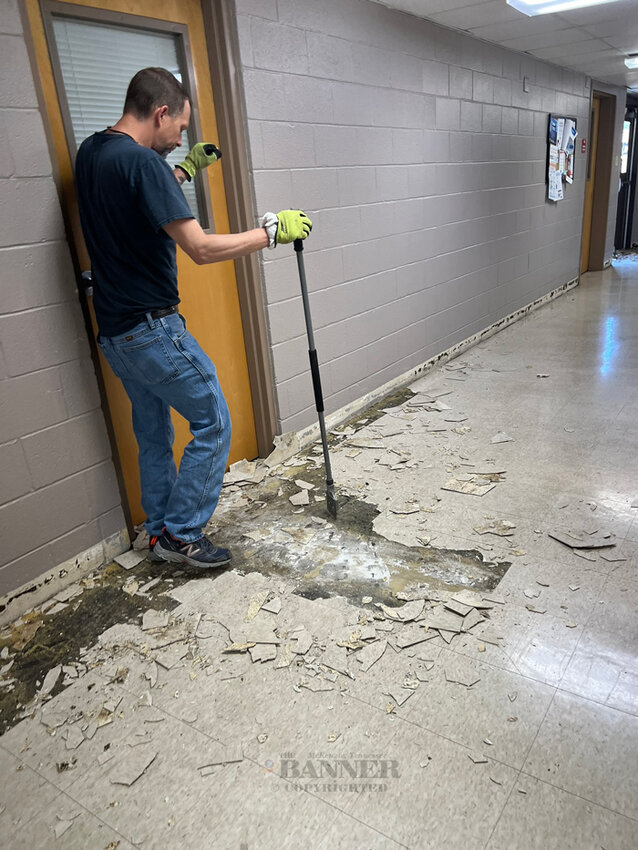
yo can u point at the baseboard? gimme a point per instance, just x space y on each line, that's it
35 592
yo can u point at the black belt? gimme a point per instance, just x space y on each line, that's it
165 311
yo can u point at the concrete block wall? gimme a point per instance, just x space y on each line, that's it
421 160
58 490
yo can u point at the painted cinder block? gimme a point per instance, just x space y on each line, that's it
27 142
15 480
16 82
36 276
24 569
31 402
35 212
37 339
278 47
64 449
42 516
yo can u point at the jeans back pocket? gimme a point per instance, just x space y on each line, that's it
148 361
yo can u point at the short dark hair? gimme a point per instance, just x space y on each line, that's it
153 87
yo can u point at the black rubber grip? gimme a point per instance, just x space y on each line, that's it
316 380
298 245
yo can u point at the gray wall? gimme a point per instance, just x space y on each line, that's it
58 492
421 160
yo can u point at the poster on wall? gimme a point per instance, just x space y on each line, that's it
561 137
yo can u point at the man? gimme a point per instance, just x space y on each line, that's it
133 214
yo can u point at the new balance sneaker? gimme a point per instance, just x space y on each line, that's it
152 554
200 553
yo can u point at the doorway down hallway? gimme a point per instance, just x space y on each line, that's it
452 663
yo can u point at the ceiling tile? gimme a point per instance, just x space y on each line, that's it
479 15
571 35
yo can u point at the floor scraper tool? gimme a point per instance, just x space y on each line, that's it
331 499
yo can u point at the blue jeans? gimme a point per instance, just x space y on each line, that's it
162 366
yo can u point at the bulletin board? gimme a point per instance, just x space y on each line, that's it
561 138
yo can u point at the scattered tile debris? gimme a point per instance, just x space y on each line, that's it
502 437
583 540
476 486
500 527
130 559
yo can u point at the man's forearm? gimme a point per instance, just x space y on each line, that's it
216 248
205 248
180 175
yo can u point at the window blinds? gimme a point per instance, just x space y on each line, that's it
97 63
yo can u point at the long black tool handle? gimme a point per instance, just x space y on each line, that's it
314 362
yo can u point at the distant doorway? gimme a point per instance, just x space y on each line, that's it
599 163
627 188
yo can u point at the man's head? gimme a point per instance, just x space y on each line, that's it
155 97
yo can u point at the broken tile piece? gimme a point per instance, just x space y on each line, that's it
304 485
370 654
412 637
225 755
502 437
50 680
500 527
153 619
300 499
304 642
132 766
471 620
467 679
582 540
73 737
256 602
475 487
130 559
399 694
473 599
61 826
285 657
263 652
238 647
404 613
273 607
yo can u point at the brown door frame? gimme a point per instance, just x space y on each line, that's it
602 179
222 39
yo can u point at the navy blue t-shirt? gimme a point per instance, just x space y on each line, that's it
126 193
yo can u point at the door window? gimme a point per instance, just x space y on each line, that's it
96 62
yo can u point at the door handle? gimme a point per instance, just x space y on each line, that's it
87 282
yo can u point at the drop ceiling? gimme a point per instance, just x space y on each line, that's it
594 40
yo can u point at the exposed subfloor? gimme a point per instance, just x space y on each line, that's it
431 669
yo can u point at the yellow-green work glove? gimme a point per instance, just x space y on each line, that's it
286 226
200 156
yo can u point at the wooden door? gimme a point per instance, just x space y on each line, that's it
589 185
209 298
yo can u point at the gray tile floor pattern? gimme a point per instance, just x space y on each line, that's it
539 753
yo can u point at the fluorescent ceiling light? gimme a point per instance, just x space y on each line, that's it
546 7
631 61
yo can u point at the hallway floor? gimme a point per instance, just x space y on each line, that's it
432 670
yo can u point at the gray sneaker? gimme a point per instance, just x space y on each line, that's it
199 553
152 554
